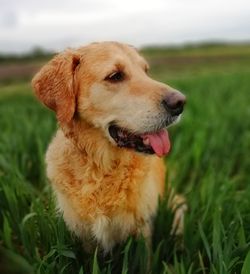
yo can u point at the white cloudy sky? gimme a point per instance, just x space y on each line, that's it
56 24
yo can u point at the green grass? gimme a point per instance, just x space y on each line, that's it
209 163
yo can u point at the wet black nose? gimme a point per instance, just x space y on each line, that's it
174 103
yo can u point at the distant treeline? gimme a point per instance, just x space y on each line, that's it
39 54
205 48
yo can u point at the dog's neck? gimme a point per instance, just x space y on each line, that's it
93 144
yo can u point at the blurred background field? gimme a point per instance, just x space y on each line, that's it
209 163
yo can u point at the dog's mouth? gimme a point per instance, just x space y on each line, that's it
151 143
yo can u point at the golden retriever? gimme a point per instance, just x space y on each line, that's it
105 162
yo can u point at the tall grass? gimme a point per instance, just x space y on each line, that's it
209 163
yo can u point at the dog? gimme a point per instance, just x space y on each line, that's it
105 161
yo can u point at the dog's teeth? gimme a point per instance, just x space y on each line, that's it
146 141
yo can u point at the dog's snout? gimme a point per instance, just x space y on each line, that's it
174 103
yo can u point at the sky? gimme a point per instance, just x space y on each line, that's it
57 24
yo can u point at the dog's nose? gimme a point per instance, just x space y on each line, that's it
174 103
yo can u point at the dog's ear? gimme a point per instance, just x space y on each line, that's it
54 85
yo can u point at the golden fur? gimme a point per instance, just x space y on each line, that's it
106 193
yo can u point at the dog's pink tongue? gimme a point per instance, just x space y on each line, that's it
159 141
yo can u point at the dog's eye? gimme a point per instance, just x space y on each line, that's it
117 76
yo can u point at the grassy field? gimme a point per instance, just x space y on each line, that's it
209 163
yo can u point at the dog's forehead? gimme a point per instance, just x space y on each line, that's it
108 51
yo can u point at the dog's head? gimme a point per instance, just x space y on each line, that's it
107 85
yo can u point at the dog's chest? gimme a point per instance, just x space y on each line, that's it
127 190
132 215
111 210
